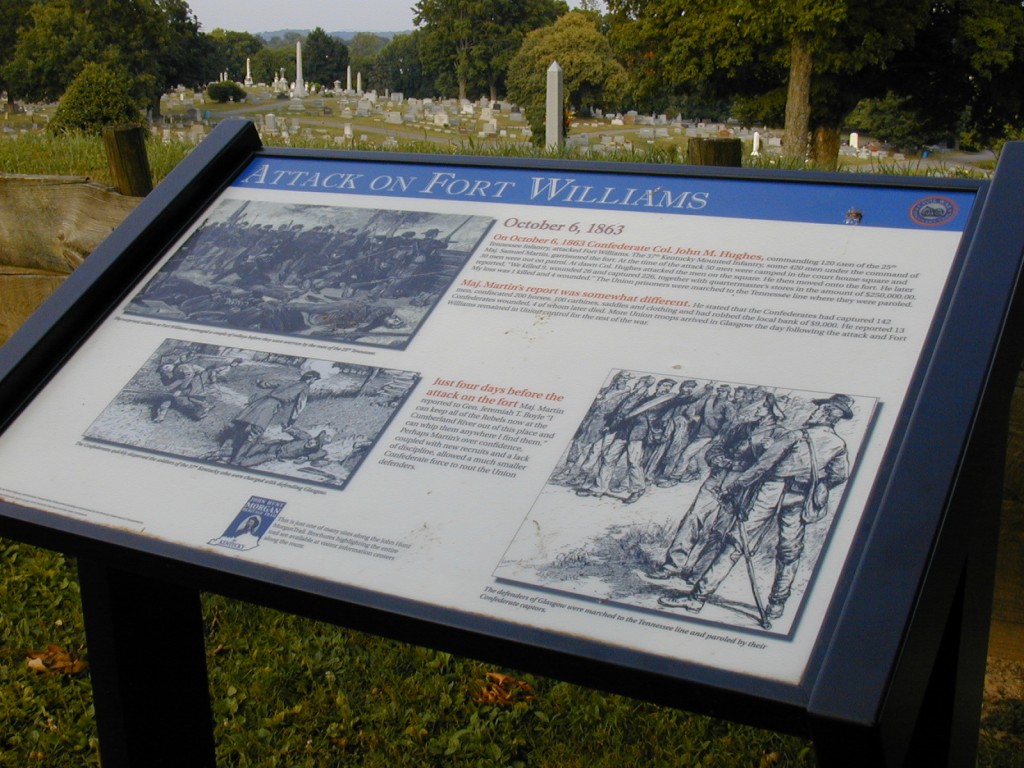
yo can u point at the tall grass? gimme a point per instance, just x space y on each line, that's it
77 154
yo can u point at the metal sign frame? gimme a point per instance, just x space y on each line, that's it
900 654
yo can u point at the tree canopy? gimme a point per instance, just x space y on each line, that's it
155 40
399 66
229 52
472 41
754 47
15 14
324 58
98 96
591 76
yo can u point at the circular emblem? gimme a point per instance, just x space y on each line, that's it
933 211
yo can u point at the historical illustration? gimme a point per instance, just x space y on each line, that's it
353 275
694 498
296 417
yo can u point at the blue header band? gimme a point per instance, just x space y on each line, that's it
806 202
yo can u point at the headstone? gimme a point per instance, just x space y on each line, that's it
855 140
248 74
394 117
757 145
270 123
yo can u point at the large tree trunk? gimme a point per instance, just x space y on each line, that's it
462 89
825 147
798 99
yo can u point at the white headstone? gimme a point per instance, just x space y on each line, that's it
855 140
248 74
757 145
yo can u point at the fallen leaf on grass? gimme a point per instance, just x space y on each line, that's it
503 689
55 661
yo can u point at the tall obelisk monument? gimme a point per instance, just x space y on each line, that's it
299 91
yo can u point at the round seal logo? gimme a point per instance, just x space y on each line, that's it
933 211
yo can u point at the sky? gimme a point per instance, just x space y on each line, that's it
331 15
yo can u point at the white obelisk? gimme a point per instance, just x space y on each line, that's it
300 87
554 117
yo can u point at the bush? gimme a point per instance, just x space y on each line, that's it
225 91
98 96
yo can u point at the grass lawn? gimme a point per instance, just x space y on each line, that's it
291 692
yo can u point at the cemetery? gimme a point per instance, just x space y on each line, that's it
346 117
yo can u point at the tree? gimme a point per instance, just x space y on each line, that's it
890 120
400 67
157 41
965 72
268 63
590 73
98 96
230 52
225 91
474 40
324 58
753 47
363 49
15 14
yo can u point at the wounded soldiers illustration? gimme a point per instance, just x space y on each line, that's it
191 388
761 474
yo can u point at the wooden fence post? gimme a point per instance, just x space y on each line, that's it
713 151
126 157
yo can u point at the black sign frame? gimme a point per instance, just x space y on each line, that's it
900 657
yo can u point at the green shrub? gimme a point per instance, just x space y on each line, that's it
98 96
225 91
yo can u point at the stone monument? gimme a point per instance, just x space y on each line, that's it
299 92
553 119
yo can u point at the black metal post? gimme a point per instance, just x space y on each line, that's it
148 663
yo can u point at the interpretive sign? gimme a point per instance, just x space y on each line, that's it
630 408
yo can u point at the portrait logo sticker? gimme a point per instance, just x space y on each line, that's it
252 521
933 211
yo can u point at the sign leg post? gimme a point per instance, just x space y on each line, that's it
148 665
